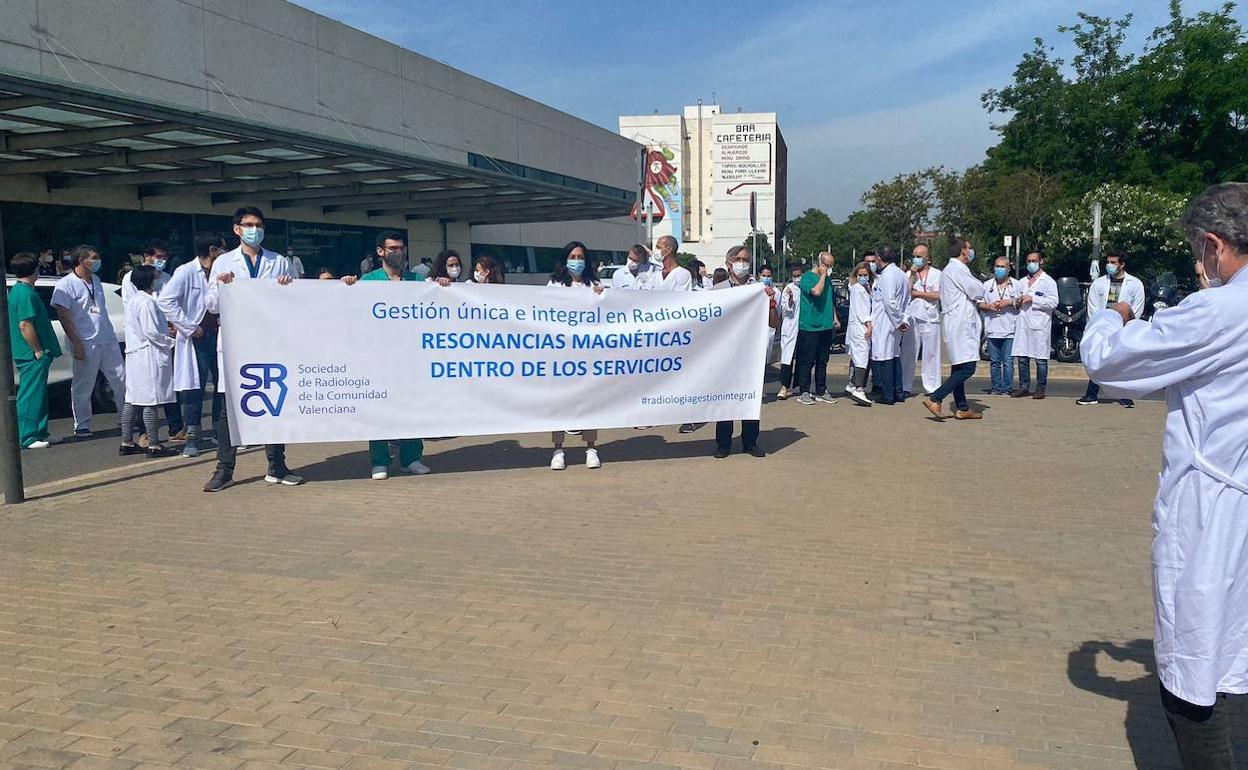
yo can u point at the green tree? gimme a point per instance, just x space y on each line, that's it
859 233
902 206
1138 220
766 254
808 235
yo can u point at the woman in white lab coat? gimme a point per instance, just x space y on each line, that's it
1197 352
858 333
575 270
149 365
789 305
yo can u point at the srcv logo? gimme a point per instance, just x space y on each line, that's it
259 380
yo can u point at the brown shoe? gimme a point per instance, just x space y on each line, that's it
1021 394
969 415
934 408
1039 394
179 436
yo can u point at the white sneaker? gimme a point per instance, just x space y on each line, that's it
417 468
557 462
38 445
380 473
591 459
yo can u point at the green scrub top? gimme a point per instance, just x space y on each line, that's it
25 305
380 275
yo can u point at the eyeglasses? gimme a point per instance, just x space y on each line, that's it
399 250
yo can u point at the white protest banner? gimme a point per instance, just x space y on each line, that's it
323 361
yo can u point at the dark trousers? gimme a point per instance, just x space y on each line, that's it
1203 733
887 376
192 401
787 375
749 434
812 352
1094 392
227 452
858 376
956 384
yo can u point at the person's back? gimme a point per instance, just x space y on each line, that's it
1197 352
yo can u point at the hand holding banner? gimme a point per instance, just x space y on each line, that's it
320 361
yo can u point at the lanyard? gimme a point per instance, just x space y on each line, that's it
254 270
1001 290
90 289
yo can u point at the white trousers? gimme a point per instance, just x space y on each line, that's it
105 358
924 341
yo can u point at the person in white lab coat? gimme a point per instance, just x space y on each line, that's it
1197 352
738 261
1115 286
156 254
923 339
890 297
576 270
149 365
858 334
1034 328
639 274
999 312
183 300
78 299
249 262
960 326
788 305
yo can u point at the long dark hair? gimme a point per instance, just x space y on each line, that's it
439 264
562 275
492 268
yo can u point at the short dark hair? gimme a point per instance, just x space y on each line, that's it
154 246
143 277
886 254
955 247
1039 253
390 235
869 253
81 253
247 211
24 264
1118 254
205 241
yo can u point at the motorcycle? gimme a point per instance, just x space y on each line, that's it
1068 320
1163 292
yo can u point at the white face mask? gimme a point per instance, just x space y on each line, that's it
480 276
740 269
1211 276
453 272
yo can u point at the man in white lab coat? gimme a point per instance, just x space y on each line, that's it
1034 328
960 292
1115 286
639 274
1197 352
183 300
890 296
250 261
924 312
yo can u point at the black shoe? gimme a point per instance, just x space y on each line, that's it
160 451
1128 403
1085 401
755 451
280 474
130 449
690 427
720 453
219 481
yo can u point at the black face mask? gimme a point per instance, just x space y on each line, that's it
394 261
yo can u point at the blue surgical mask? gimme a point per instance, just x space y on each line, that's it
971 257
576 266
1033 267
1000 272
873 267
766 280
253 236
918 263
159 264
96 264
863 280
1111 270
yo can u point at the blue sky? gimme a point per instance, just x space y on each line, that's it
865 89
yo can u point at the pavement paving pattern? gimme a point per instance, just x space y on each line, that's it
880 591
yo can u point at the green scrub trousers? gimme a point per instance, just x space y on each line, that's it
410 451
32 399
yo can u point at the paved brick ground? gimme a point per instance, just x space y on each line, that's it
841 603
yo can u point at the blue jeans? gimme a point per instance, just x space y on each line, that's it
956 384
1002 364
1024 373
888 379
192 401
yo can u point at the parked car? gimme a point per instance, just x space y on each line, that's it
606 272
62 367
840 297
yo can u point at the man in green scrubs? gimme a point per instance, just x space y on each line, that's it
34 346
392 249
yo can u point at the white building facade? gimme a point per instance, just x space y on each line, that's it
706 170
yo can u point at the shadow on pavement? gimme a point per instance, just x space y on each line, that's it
1148 734
508 454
